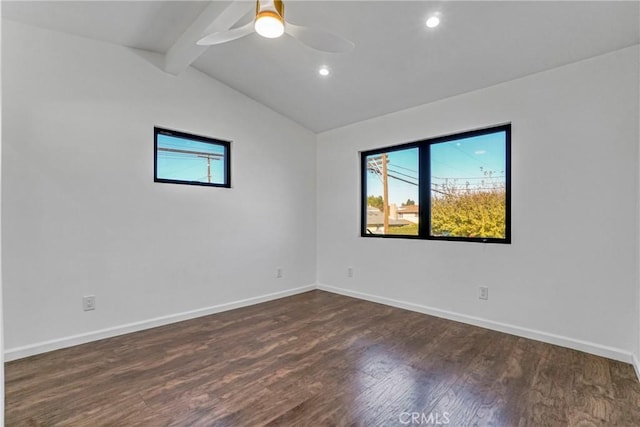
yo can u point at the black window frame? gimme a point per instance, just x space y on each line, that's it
199 138
424 185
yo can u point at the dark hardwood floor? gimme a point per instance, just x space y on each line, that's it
320 359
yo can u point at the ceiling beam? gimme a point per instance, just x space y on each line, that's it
217 16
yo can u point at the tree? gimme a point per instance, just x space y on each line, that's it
409 202
467 213
375 202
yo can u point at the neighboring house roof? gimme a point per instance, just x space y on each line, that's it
409 209
376 217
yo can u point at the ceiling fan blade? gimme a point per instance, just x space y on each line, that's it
319 39
226 36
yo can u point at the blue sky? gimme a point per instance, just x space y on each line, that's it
188 167
403 165
460 161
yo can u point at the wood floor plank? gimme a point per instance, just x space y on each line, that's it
318 359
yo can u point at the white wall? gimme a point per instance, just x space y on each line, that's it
636 359
570 274
81 213
1 305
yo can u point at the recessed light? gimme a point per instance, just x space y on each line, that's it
433 21
324 71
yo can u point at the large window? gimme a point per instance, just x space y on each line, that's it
454 187
183 158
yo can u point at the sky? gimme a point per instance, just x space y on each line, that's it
459 162
403 165
188 167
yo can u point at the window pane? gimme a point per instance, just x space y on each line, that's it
468 187
392 192
179 158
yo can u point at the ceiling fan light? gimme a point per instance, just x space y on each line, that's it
269 24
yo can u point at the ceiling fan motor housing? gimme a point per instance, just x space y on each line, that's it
275 6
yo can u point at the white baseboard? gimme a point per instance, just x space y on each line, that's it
56 344
587 347
636 366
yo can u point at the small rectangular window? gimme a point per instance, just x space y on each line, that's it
455 187
182 158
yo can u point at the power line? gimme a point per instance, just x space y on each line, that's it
403 174
197 153
475 159
208 148
379 174
402 167
457 177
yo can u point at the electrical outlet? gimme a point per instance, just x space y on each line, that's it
279 272
349 271
484 292
89 303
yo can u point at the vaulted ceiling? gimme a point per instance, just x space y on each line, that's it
397 62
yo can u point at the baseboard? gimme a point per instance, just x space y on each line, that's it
70 341
587 347
636 366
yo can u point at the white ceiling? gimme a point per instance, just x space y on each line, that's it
397 62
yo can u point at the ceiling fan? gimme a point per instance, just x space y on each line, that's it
269 22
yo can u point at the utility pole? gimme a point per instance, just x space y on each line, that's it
208 157
385 194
